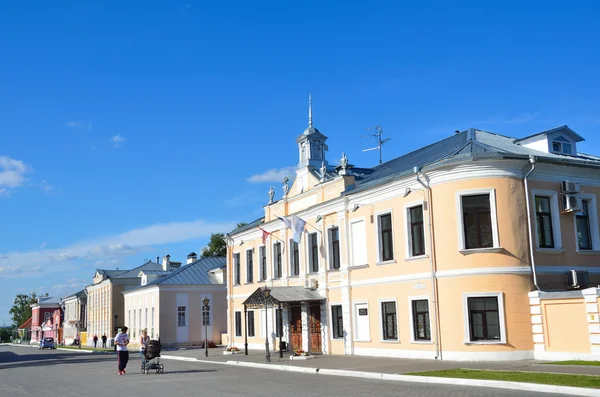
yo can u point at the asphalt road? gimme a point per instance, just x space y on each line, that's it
26 372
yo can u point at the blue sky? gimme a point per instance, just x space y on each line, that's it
129 130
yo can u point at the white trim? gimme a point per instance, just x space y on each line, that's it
411 320
382 340
493 215
273 259
351 259
593 223
253 273
290 259
355 325
331 304
554 216
141 291
330 247
377 215
253 323
309 263
501 317
237 269
260 278
408 232
241 335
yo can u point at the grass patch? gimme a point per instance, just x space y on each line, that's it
513 376
576 362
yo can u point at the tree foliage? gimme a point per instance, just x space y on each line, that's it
21 310
217 246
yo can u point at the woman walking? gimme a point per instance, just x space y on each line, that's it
144 339
121 341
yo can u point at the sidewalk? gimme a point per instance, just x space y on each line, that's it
392 369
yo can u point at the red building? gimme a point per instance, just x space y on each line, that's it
45 319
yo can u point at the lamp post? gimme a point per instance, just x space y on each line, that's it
266 295
206 301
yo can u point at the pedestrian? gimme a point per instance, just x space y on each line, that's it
121 342
95 340
104 341
144 339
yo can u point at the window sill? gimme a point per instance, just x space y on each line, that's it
362 340
249 283
358 267
550 250
294 276
416 258
491 342
479 250
588 252
390 262
421 342
390 341
333 271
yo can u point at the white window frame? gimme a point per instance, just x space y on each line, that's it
309 254
555 139
330 315
493 215
355 305
185 322
241 324
274 259
237 268
263 277
291 259
397 340
330 248
248 323
378 242
351 259
501 317
555 217
594 227
412 321
407 231
251 250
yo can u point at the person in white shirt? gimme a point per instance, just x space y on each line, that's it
122 340
144 339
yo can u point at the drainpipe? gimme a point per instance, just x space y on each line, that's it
527 205
347 238
432 266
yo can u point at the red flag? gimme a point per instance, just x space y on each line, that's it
265 235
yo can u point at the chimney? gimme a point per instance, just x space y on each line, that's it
165 263
158 259
192 257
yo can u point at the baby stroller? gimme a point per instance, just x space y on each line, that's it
151 359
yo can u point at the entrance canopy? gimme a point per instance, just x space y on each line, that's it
282 296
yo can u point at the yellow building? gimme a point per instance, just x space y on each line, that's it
435 254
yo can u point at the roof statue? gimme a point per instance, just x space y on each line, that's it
271 194
323 171
286 188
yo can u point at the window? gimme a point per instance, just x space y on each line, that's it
388 318
484 319
313 247
561 145
205 315
278 323
584 236
386 241
359 243
236 269
543 216
334 238
477 221
129 315
416 232
152 335
337 322
421 326
262 254
181 316
47 316
249 267
277 260
294 258
140 318
250 319
238 323
135 321
146 317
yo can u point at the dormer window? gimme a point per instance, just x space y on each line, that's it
561 145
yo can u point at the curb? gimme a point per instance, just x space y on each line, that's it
498 384
60 348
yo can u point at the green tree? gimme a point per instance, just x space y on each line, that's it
21 310
217 246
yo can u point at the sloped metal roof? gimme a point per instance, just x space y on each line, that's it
282 295
197 272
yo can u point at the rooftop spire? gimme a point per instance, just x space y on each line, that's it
310 110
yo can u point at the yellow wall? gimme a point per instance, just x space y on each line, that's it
566 326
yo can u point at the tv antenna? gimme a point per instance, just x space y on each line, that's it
378 133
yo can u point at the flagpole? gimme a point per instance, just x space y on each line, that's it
271 234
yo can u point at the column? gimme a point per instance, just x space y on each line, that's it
592 301
305 327
537 323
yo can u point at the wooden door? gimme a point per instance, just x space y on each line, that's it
315 328
296 328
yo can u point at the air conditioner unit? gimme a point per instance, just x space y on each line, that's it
571 203
578 279
311 284
569 187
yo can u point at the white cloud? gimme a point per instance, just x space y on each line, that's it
107 250
71 284
12 174
73 124
273 175
117 140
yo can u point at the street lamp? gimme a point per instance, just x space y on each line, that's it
206 301
266 295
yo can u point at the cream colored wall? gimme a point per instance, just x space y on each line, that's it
566 326
128 301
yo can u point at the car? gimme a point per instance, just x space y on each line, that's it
47 343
